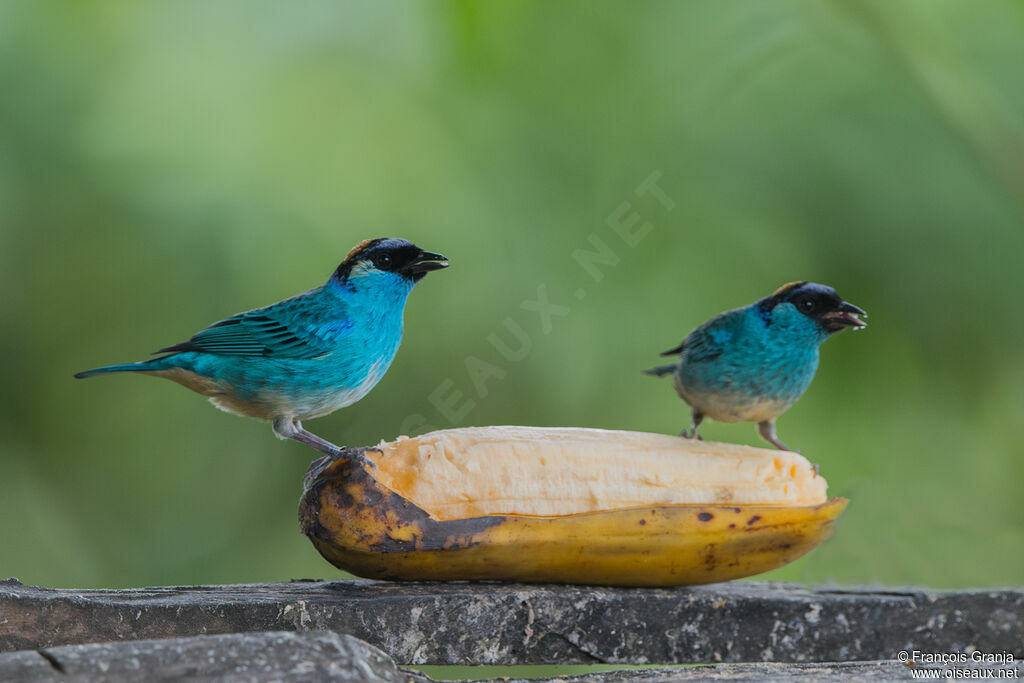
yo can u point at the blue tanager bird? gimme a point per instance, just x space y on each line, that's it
751 364
306 356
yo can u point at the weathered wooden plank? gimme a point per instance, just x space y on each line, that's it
477 623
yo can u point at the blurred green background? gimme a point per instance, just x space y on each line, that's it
165 165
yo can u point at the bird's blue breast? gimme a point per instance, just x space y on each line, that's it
745 366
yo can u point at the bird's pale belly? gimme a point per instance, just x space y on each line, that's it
270 402
733 407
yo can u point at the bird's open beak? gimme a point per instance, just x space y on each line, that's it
424 263
844 316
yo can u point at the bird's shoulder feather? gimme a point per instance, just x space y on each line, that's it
713 338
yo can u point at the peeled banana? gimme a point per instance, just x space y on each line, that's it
566 506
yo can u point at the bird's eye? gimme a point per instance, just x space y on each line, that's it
807 305
382 261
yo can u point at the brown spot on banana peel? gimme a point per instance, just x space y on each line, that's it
710 562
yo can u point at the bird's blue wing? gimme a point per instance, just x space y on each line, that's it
304 327
710 340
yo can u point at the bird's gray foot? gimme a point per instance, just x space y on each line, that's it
292 429
357 455
317 467
697 418
767 431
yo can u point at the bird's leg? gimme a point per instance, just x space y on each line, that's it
289 428
697 418
767 431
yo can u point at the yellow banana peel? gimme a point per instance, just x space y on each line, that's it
374 522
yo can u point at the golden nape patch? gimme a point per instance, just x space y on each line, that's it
358 248
788 287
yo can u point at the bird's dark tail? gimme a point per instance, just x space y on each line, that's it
661 370
142 366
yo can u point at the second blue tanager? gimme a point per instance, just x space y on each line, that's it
751 364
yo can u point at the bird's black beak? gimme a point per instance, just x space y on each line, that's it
424 262
844 316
